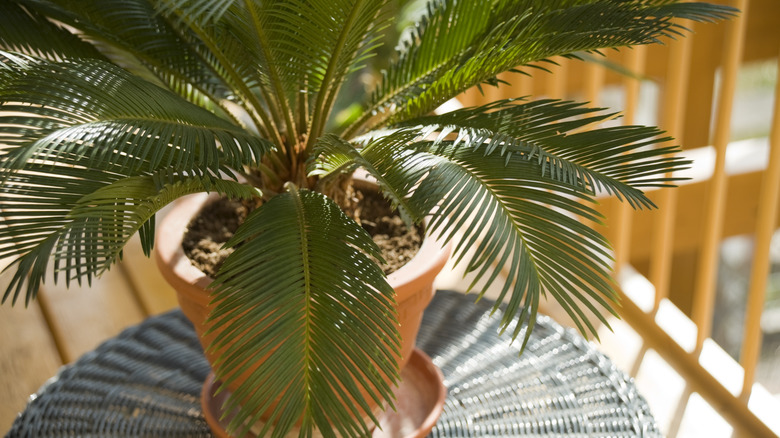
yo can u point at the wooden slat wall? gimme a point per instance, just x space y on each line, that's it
765 226
636 62
154 294
672 119
704 293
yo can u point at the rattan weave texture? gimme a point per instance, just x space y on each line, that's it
146 382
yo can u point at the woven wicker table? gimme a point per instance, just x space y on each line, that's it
146 382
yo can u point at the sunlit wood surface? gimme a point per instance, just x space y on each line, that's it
63 324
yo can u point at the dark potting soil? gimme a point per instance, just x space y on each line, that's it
219 219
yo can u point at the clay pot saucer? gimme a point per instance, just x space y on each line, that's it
419 402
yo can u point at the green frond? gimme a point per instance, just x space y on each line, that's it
510 214
135 36
83 219
207 67
354 21
322 41
201 12
28 31
73 127
91 113
395 176
613 160
514 177
434 45
288 47
307 298
513 216
332 157
241 38
514 34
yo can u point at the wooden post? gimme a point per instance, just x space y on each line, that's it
704 290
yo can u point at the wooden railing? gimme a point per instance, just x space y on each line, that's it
676 248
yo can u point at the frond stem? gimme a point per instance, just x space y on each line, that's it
281 96
274 156
327 93
266 171
303 105
356 127
265 125
308 326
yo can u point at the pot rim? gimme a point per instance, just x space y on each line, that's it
432 255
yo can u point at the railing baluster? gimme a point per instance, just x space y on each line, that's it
621 217
704 290
522 84
594 82
765 226
672 119
556 83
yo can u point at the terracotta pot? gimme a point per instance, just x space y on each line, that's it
413 283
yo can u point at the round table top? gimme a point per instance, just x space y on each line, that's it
147 382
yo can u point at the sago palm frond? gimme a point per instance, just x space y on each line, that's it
96 114
83 220
452 52
28 31
146 43
65 143
515 178
615 160
387 161
297 52
510 215
308 299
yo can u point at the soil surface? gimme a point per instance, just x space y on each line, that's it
219 219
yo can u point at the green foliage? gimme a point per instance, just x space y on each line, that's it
513 178
324 307
31 31
109 110
393 172
62 125
613 160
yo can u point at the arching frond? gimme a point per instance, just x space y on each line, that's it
306 297
615 160
28 31
289 47
518 201
354 21
138 38
73 127
91 113
512 216
514 34
436 44
395 175
83 219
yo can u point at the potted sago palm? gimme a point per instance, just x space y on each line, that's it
112 109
